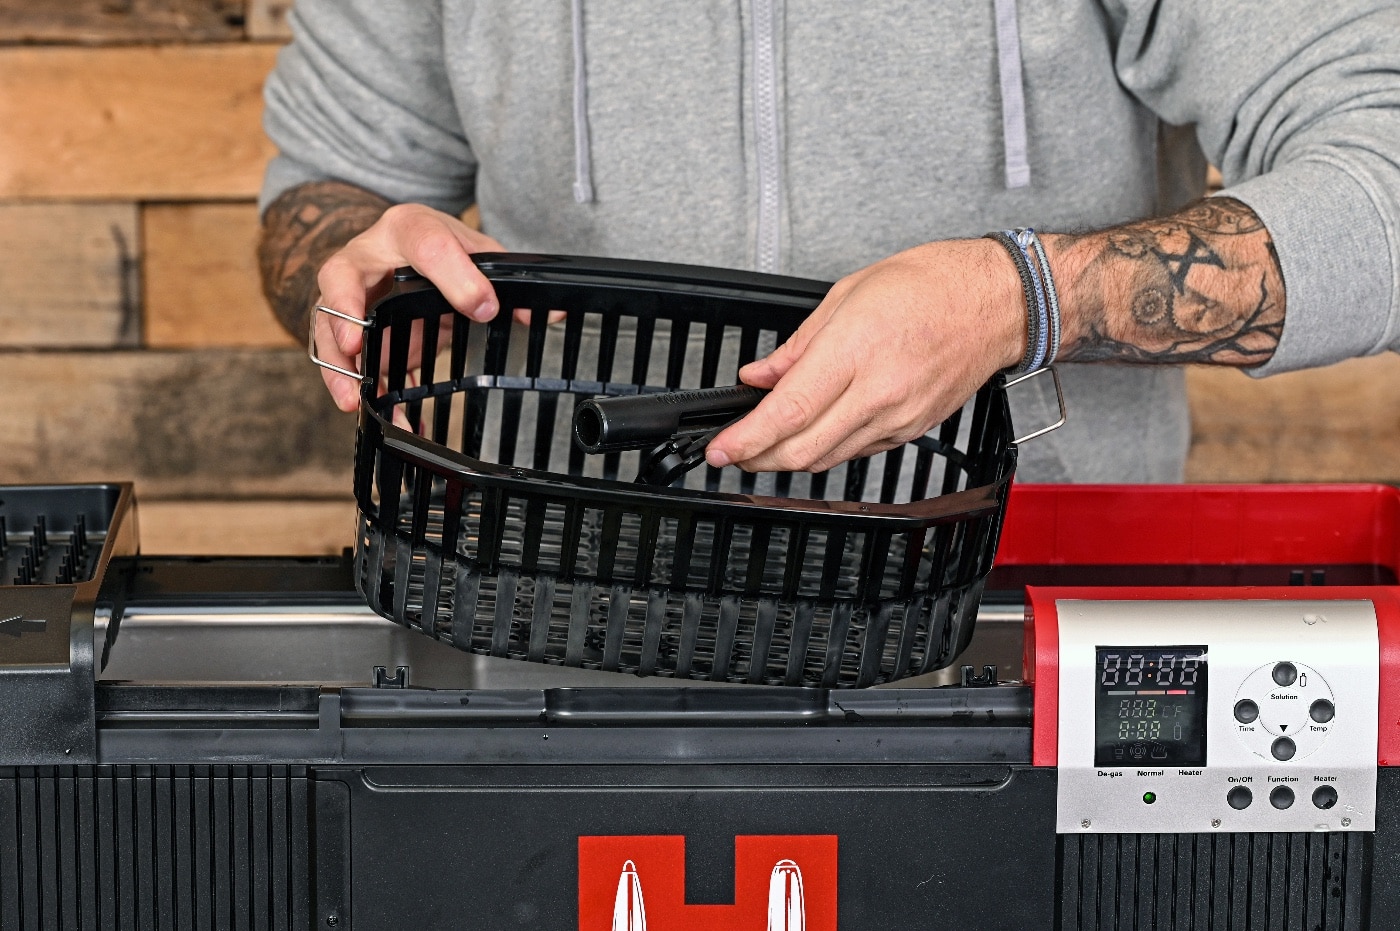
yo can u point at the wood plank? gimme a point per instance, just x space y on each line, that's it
201 278
210 423
267 20
247 528
70 275
109 21
154 123
1340 423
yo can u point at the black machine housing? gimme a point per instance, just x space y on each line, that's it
262 751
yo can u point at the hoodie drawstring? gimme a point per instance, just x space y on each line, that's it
1013 97
583 156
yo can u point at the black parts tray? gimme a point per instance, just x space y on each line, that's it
483 526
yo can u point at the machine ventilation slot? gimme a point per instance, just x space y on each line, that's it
1221 882
155 847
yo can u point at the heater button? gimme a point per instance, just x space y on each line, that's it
1324 797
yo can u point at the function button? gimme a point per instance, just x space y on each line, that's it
1321 711
1285 674
1281 797
1324 797
1239 798
1283 749
1246 711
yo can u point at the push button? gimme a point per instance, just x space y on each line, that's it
1285 674
1321 711
1324 797
1283 749
1281 797
1246 711
1239 798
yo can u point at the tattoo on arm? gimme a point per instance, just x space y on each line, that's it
300 230
1201 286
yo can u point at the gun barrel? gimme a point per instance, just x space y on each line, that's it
606 425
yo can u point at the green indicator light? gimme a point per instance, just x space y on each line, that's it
1149 797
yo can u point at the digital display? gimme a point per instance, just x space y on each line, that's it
1150 706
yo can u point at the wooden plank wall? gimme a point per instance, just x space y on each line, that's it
135 345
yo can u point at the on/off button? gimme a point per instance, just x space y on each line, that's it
1239 798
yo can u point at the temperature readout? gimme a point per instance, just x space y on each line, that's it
1150 706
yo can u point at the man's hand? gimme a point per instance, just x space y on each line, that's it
335 244
892 350
898 346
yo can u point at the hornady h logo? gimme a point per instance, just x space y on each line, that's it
781 883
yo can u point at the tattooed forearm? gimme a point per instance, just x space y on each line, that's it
1203 285
300 230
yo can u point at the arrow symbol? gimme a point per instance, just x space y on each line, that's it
14 626
1283 727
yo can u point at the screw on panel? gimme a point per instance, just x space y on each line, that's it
1215 822
1084 823
1346 822
332 920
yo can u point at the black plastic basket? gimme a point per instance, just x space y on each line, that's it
481 524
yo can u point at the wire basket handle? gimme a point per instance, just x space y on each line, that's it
1059 398
311 341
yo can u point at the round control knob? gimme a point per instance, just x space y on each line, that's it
1324 797
1239 798
1246 711
1281 797
1283 749
1321 711
1285 674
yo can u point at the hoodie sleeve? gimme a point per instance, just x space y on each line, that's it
361 95
1298 103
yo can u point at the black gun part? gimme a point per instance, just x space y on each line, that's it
675 426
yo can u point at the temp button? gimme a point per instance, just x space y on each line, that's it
1246 711
1240 798
1321 711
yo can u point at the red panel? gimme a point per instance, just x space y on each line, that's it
1042 666
1185 524
1043 655
1387 601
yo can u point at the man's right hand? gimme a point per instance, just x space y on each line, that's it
335 244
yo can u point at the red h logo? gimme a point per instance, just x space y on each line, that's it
781 883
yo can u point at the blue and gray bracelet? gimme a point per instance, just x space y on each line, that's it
1031 293
1042 302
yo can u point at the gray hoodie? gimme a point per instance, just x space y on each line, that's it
812 138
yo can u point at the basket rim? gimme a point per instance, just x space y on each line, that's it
627 274
449 463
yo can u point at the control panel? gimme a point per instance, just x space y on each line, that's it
1231 715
